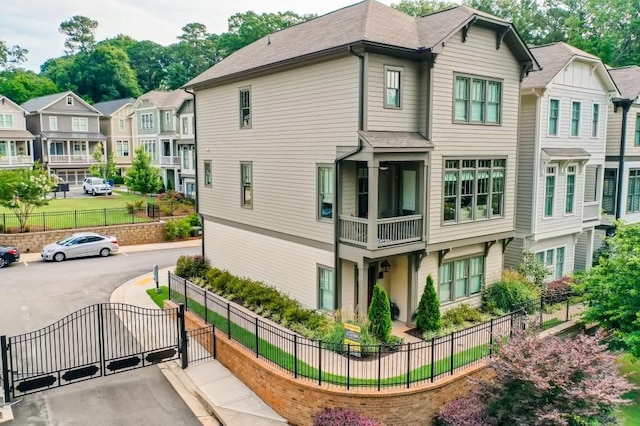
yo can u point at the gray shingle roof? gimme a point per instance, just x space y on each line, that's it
162 99
628 81
366 22
552 58
109 107
36 104
408 140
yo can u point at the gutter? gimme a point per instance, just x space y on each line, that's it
195 162
625 104
338 181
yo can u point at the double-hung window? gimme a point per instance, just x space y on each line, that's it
575 118
185 125
186 156
245 108
595 119
637 135
70 100
554 260
53 123
326 289
246 182
549 191
207 173
167 118
477 100
150 147
554 113
147 120
325 193
122 148
121 124
571 190
633 196
393 88
473 189
79 124
6 121
461 278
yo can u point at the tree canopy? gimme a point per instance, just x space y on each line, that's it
80 32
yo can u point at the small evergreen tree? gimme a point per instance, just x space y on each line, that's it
142 176
106 167
380 315
428 315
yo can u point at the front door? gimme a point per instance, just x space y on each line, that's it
372 280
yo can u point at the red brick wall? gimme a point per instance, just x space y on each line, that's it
299 400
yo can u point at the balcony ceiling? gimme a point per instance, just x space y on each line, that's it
396 141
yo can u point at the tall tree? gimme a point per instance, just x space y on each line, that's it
105 166
81 34
428 314
420 8
142 177
21 85
195 52
380 322
11 57
149 60
61 71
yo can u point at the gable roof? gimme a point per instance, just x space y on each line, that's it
165 99
628 81
554 57
366 23
108 108
4 99
36 105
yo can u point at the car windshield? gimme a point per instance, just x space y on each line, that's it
65 240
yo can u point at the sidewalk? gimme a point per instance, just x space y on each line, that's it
208 387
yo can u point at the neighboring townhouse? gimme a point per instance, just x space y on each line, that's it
16 142
621 189
187 150
364 146
157 131
118 125
67 132
561 150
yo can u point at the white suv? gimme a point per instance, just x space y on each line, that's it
94 185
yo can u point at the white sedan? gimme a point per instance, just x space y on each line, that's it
80 245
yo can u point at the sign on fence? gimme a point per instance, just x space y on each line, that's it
352 338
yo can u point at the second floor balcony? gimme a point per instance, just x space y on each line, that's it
169 160
15 160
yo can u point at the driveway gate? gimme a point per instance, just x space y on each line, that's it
95 341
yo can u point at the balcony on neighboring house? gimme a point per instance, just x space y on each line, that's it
16 153
71 152
15 160
591 211
169 160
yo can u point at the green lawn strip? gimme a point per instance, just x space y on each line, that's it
159 298
116 201
287 361
551 323
630 414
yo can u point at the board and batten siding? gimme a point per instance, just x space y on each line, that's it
266 259
404 119
513 253
298 119
476 57
527 170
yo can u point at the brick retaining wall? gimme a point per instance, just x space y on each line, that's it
138 233
299 400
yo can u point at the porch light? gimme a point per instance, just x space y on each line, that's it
386 267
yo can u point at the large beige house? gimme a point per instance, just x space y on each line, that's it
16 142
364 146
561 156
118 125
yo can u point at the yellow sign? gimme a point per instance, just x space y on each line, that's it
352 338
351 327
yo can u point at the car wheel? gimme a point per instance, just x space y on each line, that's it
3 263
59 257
105 252
93 192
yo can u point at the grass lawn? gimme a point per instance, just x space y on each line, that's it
630 415
116 201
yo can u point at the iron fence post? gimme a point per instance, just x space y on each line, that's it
4 223
408 365
348 365
452 349
186 301
105 217
206 311
319 362
433 358
511 316
295 356
541 311
183 337
228 320
44 222
567 316
5 368
213 330
169 280
101 339
491 337
257 339
379 366
75 219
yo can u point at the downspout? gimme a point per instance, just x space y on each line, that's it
337 182
625 104
195 162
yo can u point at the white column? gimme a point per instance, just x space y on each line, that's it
372 211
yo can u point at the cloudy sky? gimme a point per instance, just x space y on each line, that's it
34 25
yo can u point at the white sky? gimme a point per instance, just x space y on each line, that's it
34 24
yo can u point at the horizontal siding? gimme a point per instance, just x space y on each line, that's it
388 119
17 114
477 56
560 220
65 122
289 267
614 130
299 117
527 171
565 241
584 251
513 253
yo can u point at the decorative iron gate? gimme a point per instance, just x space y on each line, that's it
96 341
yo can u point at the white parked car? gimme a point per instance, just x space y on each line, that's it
94 185
80 245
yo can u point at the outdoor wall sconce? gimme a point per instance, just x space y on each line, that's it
386 266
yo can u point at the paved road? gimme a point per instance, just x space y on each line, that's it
38 294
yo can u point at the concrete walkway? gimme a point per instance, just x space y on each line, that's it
214 394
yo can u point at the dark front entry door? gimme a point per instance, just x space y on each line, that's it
372 279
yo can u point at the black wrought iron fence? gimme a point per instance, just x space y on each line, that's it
363 366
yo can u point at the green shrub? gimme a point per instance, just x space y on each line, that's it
194 219
461 314
118 180
190 267
170 230
513 291
428 314
183 228
380 315
135 206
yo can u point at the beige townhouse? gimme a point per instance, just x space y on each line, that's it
118 125
364 146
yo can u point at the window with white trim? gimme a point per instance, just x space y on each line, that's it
554 114
246 182
122 148
79 124
69 100
575 118
477 100
146 120
56 148
633 191
151 147
461 278
595 120
207 173
637 136
393 87
6 121
326 289
473 189
185 125
325 193
569 205
53 123
554 260
609 186
549 191
121 124
167 118
186 157
245 108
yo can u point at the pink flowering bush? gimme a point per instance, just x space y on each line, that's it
545 381
342 417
